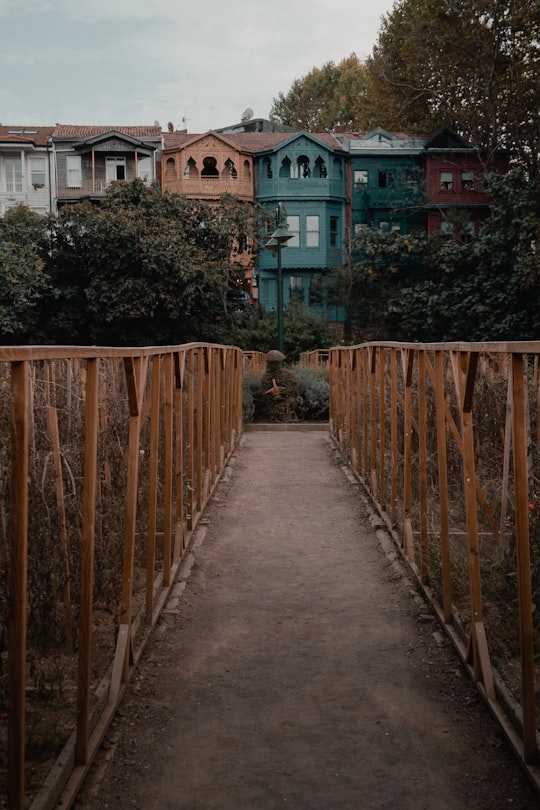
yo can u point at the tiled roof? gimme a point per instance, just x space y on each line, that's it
72 131
39 136
247 141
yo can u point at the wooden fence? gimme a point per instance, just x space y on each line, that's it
446 441
109 461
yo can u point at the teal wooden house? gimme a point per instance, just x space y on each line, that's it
307 174
387 181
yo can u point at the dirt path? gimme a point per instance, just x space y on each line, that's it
293 669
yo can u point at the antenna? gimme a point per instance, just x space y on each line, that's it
247 115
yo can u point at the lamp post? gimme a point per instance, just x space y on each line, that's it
275 243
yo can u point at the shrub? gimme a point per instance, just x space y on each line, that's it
301 394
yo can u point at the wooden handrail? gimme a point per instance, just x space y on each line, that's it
414 428
139 432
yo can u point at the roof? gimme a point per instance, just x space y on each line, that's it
249 141
73 131
38 136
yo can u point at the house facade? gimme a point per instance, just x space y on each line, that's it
456 199
387 181
88 158
27 169
331 186
305 173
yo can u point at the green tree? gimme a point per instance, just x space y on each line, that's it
472 64
333 94
23 279
376 265
256 331
487 289
147 268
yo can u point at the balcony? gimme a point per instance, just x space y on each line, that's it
86 188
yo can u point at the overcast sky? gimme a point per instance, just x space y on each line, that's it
140 61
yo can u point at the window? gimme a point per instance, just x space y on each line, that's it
334 232
115 168
467 231
446 181
247 170
447 227
229 170
13 174
267 168
294 229
360 180
316 290
320 168
210 167
74 171
312 231
144 169
411 178
170 169
386 179
191 171
467 181
37 172
296 289
285 168
303 167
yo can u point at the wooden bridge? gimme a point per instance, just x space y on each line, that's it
113 454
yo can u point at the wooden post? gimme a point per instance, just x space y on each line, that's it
422 460
394 437
169 466
60 503
442 465
135 368
153 486
190 362
407 358
18 574
91 428
180 515
382 431
526 605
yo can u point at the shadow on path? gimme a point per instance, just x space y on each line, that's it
293 668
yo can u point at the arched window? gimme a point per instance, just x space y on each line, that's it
191 171
170 169
267 167
320 168
229 170
285 168
303 167
247 170
210 167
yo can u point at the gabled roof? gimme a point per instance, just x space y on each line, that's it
72 132
446 138
38 136
380 139
253 142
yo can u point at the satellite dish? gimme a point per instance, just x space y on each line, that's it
247 115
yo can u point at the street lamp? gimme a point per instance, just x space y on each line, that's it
276 241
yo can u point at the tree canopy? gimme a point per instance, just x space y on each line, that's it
327 96
144 268
473 64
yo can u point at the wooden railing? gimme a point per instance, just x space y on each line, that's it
254 361
108 457
318 358
446 441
